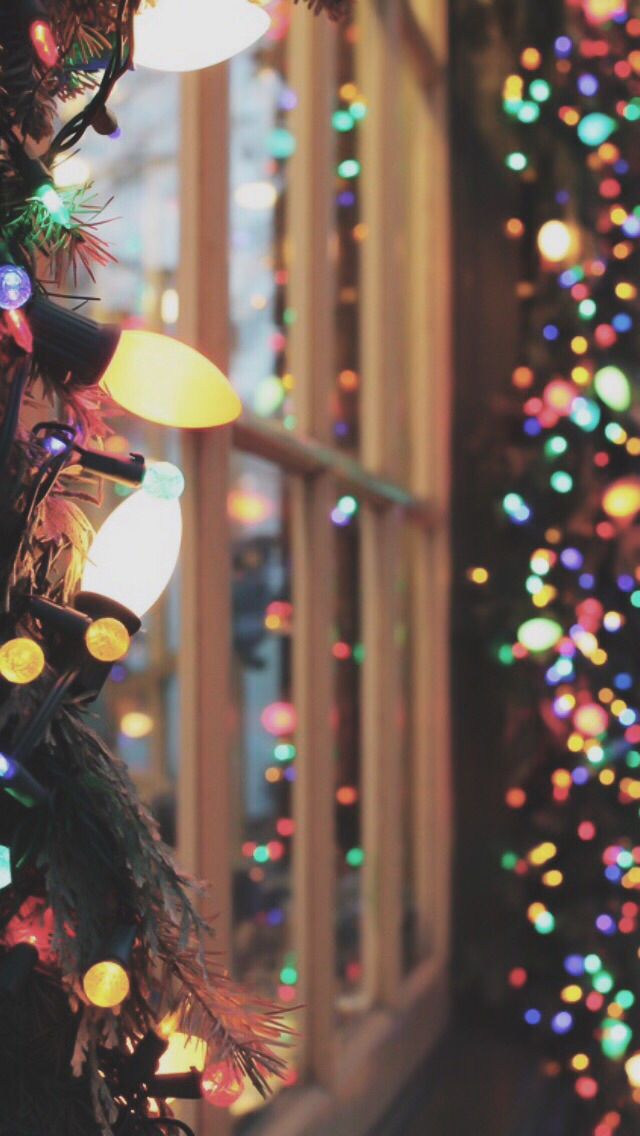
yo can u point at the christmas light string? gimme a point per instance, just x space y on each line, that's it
104 966
572 502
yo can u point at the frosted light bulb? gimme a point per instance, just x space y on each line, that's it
165 381
187 35
134 553
151 375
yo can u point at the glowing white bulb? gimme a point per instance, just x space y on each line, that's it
187 35
256 195
555 241
134 553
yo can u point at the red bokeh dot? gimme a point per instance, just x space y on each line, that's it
586 1088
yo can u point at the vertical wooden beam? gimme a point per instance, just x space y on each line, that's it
430 371
314 855
204 808
312 354
382 883
310 222
379 64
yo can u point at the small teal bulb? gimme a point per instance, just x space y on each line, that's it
594 129
164 481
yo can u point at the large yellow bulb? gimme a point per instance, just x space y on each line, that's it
106 984
187 35
165 381
134 553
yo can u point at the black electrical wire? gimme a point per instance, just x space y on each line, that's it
42 717
14 401
71 133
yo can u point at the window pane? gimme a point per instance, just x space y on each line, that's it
261 146
139 707
348 654
264 756
349 114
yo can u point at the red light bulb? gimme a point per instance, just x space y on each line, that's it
221 1085
33 924
43 42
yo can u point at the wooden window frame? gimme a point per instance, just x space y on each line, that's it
347 1079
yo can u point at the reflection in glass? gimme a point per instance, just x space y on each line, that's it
348 652
264 751
261 146
348 116
139 707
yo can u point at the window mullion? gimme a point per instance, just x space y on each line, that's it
204 816
314 857
311 271
381 755
378 69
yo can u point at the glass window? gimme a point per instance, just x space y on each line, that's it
264 754
261 146
350 110
348 652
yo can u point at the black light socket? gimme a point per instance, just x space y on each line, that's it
126 471
16 968
104 121
140 1066
119 945
67 343
181 1086
97 606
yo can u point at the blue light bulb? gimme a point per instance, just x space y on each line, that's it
15 286
7 768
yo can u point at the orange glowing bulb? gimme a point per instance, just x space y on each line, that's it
622 499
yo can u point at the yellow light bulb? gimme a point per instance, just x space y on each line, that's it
134 553
21 660
183 1054
106 984
622 499
632 1069
187 35
107 640
165 381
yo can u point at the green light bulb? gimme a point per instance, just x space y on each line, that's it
540 90
164 481
594 129
48 196
350 168
561 481
613 387
342 121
